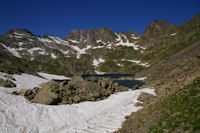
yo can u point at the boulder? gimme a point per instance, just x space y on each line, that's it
28 92
51 86
86 85
135 87
121 88
76 81
21 92
45 97
138 104
107 92
92 78
76 99
104 84
7 83
145 97
63 83
34 91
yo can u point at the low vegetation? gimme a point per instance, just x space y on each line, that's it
63 66
177 112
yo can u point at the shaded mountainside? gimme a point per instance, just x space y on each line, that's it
62 66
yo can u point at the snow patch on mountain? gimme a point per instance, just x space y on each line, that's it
109 46
18 34
45 40
53 56
81 51
74 41
96 62
20 43
31 40
96 47
134 61
134 37
18 37
12 50
99 73
141 79
145 64
173 34
59 40
137 62
100 41
127 43
52 76
121 65
32 50
43 53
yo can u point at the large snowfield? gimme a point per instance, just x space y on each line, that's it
19 115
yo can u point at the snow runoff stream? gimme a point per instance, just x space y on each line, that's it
19 115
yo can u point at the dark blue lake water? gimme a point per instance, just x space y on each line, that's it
126 83
129 83
109 75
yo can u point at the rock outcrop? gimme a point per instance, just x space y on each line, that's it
90 37
7 83
75 91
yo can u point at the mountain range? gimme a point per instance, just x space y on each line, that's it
104 49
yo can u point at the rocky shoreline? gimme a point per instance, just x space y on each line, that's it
74 91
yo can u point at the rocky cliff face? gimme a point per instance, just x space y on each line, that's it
91 36
23 44
77 45
157 30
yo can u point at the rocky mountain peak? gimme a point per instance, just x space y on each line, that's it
19 32
159 28
91 36
74 35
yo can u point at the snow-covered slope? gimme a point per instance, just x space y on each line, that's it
23 44
19 115
138 62
52 76
126 43
11 50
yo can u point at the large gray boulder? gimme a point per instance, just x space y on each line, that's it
45 97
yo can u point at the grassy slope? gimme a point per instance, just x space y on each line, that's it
178 112
173 54
114 57
63 66
13 65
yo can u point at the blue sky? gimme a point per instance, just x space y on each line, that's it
58 17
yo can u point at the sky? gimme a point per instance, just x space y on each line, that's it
59 17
